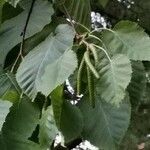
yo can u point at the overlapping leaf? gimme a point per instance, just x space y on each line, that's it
130 39
10 30
9 89
71 123
33 41
48 129
49 64
137 85
4 110
68 117
105 125
20 123
57 103
115 75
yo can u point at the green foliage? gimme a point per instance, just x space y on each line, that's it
71 122
50 61
4 110
107 123
131 38
48 128
68 118
19 125
115 77
9 89
45 42
14 26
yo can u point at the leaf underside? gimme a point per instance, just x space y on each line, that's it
115 76
49 64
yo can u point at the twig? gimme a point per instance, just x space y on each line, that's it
23 34
69 17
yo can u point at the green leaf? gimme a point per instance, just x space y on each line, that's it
48 129
4 110
71 122
68 117
26 145
10 30
137 85
115 76
57 100
21 145
130 39
2 143
49 64
13 2
9 89
105 125
20 124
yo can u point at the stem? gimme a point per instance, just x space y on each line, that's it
69 17
79 76
103 51
83 27
95 37
23 34
102 29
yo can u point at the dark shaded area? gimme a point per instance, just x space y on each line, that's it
115 11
